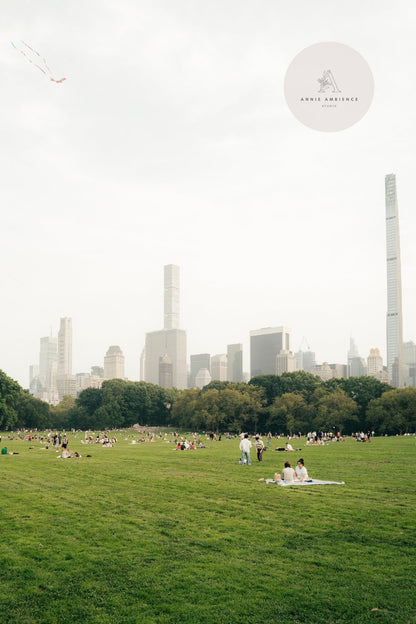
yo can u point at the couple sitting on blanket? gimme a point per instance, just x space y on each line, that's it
290 476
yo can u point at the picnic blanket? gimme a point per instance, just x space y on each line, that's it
310 482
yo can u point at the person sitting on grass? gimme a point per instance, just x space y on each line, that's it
301 472
288 474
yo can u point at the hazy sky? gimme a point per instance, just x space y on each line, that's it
171 142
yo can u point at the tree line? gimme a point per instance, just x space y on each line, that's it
283 404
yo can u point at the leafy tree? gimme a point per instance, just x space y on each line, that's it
277 385
289 413
60 414
362 390
90 400
394 412
334 409
32 413
216 384
185 410
208 405
9 396
242 408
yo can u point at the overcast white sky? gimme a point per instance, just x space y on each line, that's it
171 142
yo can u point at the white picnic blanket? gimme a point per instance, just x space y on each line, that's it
311 482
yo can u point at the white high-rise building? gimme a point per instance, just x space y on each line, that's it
171 298
66 381
48 363
202 378
48 358
65 347
374 363
114 363
219 367
324 371
169 341
394 324
285 362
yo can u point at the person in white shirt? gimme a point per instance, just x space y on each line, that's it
245 446
288 474
301 472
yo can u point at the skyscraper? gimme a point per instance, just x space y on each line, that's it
171 298
165 372
375 366
48 358
114 363
357 367
169 341
394 324
65 347
219 367
65 380
285 362
409 360
199 361
305 360
352 351
235 362
265 345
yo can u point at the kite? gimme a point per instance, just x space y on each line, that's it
37 60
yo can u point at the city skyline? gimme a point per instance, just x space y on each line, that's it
270 353
171 142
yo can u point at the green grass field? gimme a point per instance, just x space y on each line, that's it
142 533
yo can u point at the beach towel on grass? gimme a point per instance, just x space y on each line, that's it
311 482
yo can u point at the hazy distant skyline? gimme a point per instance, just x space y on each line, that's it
170 142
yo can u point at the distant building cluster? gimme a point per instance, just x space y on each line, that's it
52 379
164 357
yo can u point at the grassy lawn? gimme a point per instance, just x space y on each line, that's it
142 533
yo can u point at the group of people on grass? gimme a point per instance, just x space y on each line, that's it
291 475
288 475
246 444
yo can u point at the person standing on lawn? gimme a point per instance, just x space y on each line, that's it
245 446
259 444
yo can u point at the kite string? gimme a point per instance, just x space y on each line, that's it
48 71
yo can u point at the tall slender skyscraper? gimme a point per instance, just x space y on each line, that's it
394 323
65 347
65 380
171 299
169 341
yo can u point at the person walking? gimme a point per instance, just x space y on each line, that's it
245 446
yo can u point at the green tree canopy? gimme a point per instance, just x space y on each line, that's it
10 393
394 412
334 410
